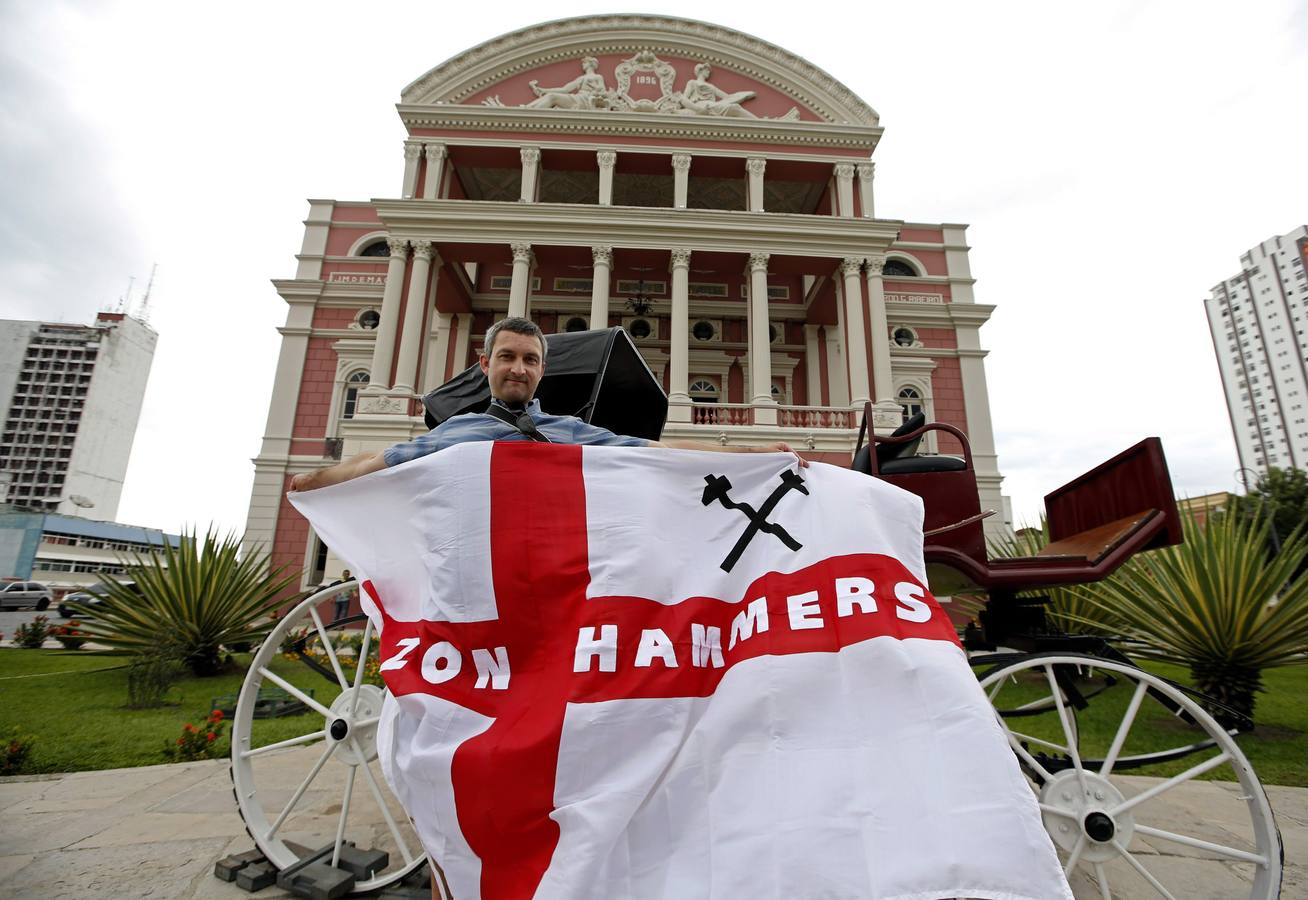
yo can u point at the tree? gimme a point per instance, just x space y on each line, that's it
1281 494
189 602
1216 604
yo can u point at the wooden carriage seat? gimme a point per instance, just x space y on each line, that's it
1096 521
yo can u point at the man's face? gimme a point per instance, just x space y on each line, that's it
514 367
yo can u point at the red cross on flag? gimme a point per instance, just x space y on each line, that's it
636 673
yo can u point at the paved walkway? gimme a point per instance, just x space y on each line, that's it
157 831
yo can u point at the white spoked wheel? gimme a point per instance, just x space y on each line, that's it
1121 835
313 779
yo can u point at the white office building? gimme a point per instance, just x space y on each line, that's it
1257 318
72 396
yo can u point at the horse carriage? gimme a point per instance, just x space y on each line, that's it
1074 706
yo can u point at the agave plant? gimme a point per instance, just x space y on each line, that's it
1217 604
189 601
1069 608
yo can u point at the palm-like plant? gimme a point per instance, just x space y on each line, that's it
189 601
1218 604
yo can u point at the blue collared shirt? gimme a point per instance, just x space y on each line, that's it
481 427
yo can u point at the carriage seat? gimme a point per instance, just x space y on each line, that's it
902 459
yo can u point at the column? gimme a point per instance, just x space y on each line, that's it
760 348
865 171
521 279
888 412
607 160
462 341
383 350
812 360
679 344
406 370
438 351
845 188
599 286
755 167
837 371
680 179
530 171
412 151
855 348
435 168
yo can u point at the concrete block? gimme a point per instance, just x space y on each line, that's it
318 881
256 877
362 863
226 868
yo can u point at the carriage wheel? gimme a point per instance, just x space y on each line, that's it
1117 833
313 779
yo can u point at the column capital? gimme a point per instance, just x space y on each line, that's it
756 165
423 250
521 251
607 158
530 155
398 246
758 262
435 152
845 171
681 258
875 265
601 255
412 149
850 265
865 170
681 162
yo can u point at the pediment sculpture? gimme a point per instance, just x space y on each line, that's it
645 83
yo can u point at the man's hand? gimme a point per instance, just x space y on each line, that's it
778 447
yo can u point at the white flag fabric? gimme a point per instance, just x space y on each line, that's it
648 673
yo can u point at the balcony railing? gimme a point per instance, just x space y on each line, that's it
787 416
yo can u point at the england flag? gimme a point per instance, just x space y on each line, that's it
648 673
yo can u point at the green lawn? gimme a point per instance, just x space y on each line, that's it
1277 748
76 711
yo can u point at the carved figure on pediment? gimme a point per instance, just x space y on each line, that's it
699 98
586 91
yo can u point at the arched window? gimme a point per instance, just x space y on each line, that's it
376 248
703 331
897 268
640 329
910 401
576 323
703 391
353 385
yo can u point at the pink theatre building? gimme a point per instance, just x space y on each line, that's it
708 191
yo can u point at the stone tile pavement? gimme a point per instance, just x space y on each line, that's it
155 832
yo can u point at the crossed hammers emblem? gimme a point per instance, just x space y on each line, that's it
717 487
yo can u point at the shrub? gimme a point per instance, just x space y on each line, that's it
198 742
32 635
1216 604
70 636
196 598
15 747
149 677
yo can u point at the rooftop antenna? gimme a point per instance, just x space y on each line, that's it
127 296
144 314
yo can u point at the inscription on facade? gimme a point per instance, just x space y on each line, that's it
355 278
914 298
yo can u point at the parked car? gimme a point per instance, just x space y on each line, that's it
25 593
78 603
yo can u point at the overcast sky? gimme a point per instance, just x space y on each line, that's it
1112 159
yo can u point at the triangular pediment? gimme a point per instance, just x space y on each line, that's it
641 64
